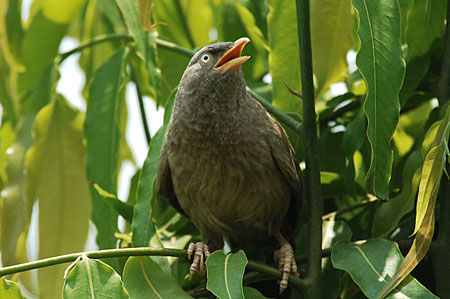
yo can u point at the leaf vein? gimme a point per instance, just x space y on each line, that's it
226 276
141 264
374 87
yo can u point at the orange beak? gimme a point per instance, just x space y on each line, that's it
232 59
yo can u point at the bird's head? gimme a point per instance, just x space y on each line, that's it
215 68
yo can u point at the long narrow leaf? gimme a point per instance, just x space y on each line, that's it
148 76
142 226
283 56
102 131
331 38
429 186
380 61
57 177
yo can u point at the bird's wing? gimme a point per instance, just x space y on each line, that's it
164 186
287 162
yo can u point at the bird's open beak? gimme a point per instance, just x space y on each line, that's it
232 59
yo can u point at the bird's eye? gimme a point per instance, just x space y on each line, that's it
205 59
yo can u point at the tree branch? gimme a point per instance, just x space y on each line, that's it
138 251
311 154
295 282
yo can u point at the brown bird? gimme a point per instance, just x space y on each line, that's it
226 164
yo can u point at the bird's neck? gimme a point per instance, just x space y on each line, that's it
218 104
210 115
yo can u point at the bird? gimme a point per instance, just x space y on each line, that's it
227 164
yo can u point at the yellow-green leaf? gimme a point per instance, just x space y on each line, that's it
145 13
56 176
432 171
90 279
61 11
9 290
284 59
331 38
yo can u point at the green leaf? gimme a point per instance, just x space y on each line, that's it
389 213
12 13
416 69
145 47
371 264
332 232
91 279
333 185
380 61
10 290
259 45
142 226
284 59
143 278
17 205
194 10
124 209
225 274
172 64
56 176
95 23
331 39
426 23
102 131
353 141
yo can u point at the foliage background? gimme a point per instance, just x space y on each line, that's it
384 137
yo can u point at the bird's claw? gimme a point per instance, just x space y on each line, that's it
286 264
201 253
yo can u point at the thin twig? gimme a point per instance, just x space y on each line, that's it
99 254
370 198
291 90
96 40
174 47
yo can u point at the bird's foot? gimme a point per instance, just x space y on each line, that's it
286 264
201 253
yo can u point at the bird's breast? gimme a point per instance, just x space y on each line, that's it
224 174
